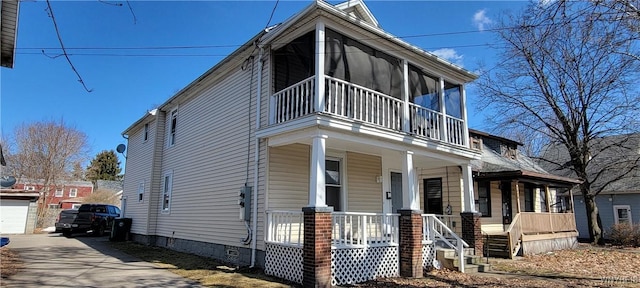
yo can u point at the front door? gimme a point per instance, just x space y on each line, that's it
505 187
396 192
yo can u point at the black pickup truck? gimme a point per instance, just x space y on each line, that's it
96 218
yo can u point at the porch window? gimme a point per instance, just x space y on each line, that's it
453 99
528 198
543 200
423 89
333 184
484 198
433 196
294 62
355 62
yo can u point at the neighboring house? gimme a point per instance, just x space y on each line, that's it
61 195
619 202
9 30
109 185
18 211
522 205
325 122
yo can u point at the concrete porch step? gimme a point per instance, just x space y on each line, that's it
473 263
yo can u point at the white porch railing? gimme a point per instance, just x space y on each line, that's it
425 122
435 230
352 229
362 104
294 101
285 227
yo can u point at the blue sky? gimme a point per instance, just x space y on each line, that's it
125 83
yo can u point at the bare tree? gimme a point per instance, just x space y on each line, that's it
103 196
47 151
568 75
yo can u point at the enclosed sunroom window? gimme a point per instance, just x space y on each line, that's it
453 99
294 62
423 89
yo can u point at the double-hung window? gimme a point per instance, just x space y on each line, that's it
484 198
173 122
73 192
59 192
333 186
167 184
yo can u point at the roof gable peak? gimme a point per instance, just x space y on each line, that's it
358 9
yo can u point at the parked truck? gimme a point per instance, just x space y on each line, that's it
94 218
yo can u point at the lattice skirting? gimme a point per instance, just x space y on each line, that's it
428 255
284 262
356 265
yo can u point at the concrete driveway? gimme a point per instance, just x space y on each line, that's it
51 260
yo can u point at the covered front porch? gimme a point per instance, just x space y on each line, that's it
525 216
352 204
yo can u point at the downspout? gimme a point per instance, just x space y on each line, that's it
256 153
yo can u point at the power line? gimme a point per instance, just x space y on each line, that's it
64 51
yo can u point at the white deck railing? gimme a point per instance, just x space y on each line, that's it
425 122
365 105
359 103
435 230
294 101
285 227
353 229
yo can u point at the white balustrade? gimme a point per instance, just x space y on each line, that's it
285 227
293 102
352 229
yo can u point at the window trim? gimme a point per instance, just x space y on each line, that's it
167 191
56 194
342 185
616 218
29 188
146 132
53 206
426 198
487 186
141 191
74 191
172 129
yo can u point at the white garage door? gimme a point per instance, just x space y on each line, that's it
13 216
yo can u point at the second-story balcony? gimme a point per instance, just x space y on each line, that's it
361 104
412 94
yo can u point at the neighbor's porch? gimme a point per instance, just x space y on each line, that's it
523 217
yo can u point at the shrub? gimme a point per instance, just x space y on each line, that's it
625 234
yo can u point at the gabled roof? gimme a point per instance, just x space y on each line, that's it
357 9
9 28
495 166
616 152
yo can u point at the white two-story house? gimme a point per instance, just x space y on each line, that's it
303 152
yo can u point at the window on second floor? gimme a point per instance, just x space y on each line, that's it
146 132
173 122
59 192
423 89
73 192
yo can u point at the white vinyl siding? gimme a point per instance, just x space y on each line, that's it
494 223
209 162
289 177
363 192
138 167
167 187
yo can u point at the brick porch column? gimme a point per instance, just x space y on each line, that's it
472 231
410 243
316 271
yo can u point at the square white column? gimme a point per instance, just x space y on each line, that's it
317 193
318 103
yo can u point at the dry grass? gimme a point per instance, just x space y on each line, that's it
10 263
207 271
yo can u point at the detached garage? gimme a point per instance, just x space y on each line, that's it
18 209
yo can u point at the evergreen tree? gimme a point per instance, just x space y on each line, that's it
105 166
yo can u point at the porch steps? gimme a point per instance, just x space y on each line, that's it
497 246
472 263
